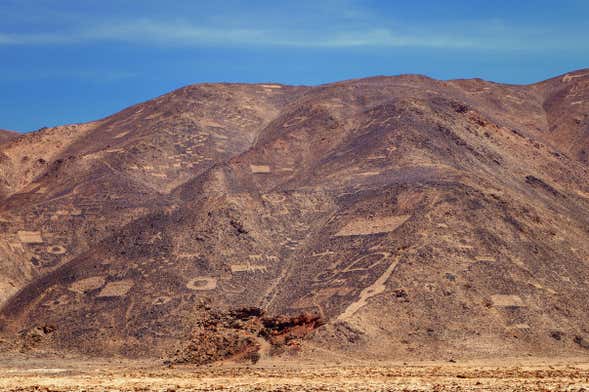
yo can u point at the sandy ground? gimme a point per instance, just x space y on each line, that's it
71 374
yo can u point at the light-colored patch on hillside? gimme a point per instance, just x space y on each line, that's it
208 122
367 226
513 99
260 169
116 289
202 283
120 135
507 300
84 285
262 258
321 254
274 198
464 247
369 173
15 247
30 237
248 267
114 150
161 300
582 194
56 250
230 287
569 77
485 258
70 212
376 288
271 86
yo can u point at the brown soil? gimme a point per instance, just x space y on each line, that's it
123 375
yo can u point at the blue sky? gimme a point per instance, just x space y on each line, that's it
65 61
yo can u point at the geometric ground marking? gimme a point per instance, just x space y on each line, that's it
116 289
366 262
375 288
120 135
274 198
461 246
505 300
485 258
161 300
260 169
248 268
88 284
232 287
569 77
56 250
30 237
202 283
16 247
368 173
262 258
366 226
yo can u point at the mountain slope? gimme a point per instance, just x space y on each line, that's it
7 135
71 186
418 218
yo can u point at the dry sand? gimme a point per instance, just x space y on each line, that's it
19 374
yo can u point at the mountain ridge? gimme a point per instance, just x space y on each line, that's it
416 217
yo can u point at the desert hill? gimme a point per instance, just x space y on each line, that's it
404 217
7 135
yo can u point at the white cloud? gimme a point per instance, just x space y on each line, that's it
386 38
182 34
360 29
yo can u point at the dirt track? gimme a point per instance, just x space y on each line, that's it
71 375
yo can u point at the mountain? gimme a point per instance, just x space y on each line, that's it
7 135
387 217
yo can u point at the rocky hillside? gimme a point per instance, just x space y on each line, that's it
7 135
406 217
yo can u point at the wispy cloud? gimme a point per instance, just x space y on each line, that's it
382 37
181 34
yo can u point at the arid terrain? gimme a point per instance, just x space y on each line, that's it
381 219
7 135
123 375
